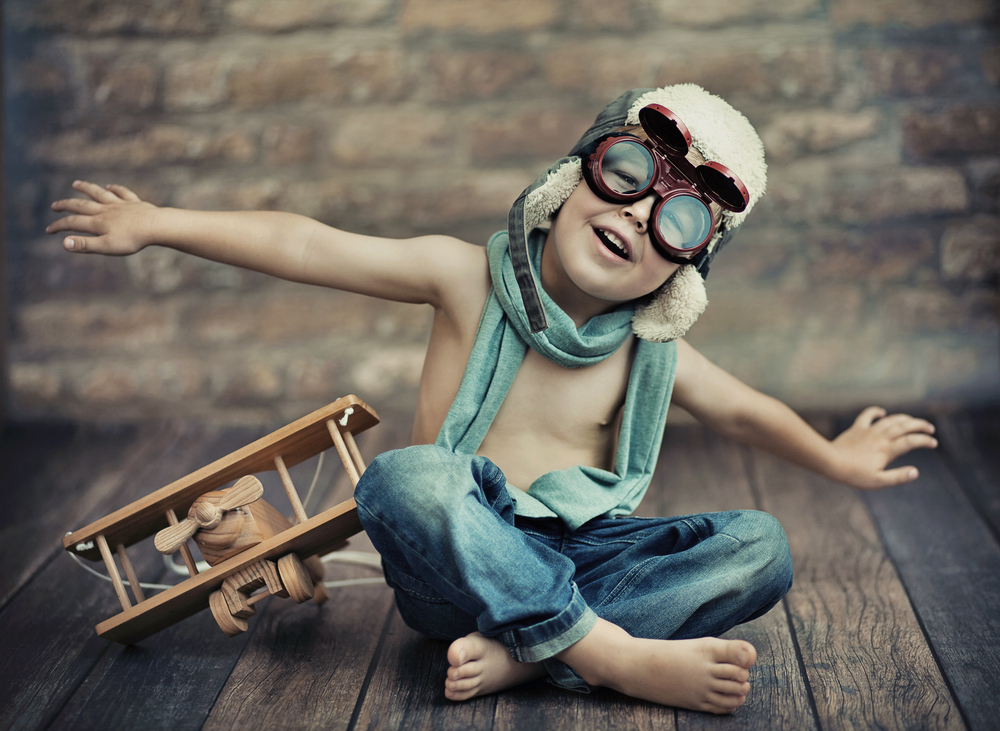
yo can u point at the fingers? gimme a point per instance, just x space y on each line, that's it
124 193
81 223
899 476
77 205
99 194
867 417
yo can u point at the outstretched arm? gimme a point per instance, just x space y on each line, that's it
857 457
113 220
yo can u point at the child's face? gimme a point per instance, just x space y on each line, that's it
599 254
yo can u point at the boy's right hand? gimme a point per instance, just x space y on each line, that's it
115 220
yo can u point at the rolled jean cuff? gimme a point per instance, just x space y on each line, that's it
546 639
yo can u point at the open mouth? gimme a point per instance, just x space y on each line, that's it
612 243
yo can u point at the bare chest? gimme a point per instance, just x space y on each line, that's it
554 418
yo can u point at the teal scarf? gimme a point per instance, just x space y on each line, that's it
580 493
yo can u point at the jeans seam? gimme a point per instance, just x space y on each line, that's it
405 542
630 580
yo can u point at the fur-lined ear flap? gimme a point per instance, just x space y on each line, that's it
674 308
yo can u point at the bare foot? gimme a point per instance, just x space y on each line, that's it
706 674
480 666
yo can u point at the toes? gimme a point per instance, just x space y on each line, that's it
467 670
738 652
730 687
460 690
724 703
464 649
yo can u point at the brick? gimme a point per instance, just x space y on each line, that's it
251 379
170 379
36 77
107 383
482 17
195 84
364 75
990 62
158 145
459 75
124 85
389 370
605 15
923 309
58 326
268 15
289 144
157 270
257 195
311 377
813 190
599 69
896 254
98 17
970 251
984 180
910 71
957 369
416 136
434 205
717 12
823 364
848 13
33 383
817 130
49 272
288 314
959 130
796 72
545 134
752 308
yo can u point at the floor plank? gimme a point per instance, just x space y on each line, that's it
306 666
406 688
867 662
949 561
49 647
701 472
971 449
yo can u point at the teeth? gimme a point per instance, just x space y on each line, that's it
613 242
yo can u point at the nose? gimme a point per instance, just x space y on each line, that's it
639 211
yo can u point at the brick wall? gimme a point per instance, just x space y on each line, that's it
868 273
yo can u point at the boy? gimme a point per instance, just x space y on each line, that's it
562 392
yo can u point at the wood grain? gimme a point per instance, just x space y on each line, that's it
949 561
867 661
295 442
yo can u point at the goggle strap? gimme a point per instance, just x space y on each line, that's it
518 234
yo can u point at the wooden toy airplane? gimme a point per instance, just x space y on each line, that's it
248 544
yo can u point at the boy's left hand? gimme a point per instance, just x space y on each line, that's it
875 440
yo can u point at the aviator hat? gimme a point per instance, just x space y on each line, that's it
718 132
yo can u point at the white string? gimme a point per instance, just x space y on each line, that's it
357 558
99 575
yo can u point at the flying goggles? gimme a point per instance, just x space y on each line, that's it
625 168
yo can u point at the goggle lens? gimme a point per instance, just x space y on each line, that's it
627 167
684 222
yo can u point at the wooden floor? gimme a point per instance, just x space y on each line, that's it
893 622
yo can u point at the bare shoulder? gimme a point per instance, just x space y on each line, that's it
463 280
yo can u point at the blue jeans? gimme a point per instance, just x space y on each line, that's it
460 561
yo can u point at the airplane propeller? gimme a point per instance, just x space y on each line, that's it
208 515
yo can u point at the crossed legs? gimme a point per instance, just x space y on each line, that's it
630 604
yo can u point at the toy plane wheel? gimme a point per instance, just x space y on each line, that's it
296 579
229 624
